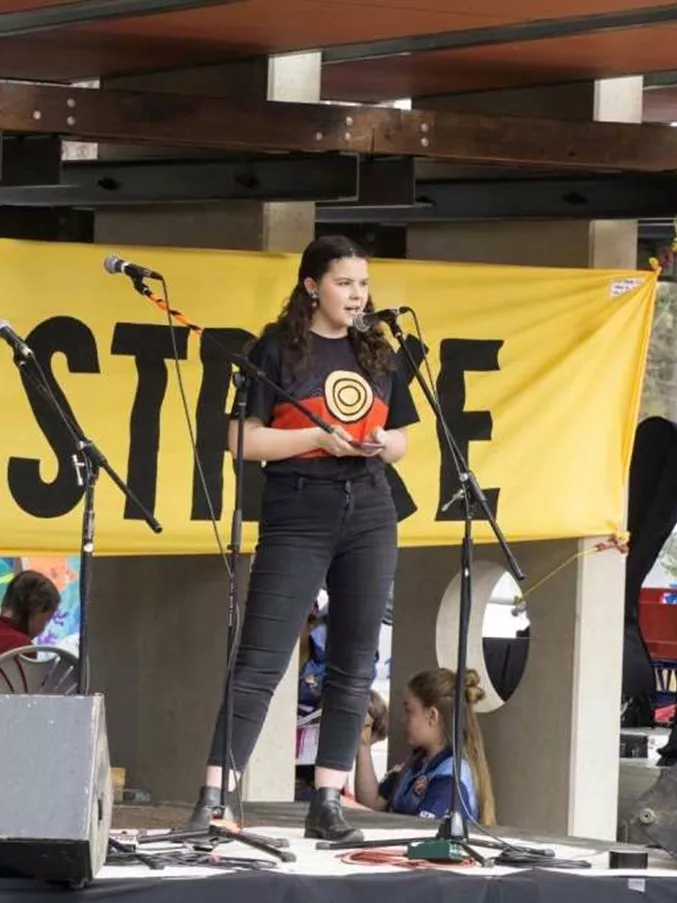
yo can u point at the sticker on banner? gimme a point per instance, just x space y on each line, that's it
622 286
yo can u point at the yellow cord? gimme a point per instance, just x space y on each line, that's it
618 541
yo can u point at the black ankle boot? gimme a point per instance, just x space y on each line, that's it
325 820
207 808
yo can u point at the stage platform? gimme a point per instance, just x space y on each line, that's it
339 877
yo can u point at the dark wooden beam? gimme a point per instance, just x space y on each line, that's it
172 120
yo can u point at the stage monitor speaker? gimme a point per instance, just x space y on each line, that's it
56 791
654 816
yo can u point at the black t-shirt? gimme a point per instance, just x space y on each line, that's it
336 388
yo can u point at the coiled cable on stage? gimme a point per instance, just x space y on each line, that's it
516 859
121 854
395 859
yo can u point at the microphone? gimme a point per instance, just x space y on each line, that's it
113 264
17 344
365 320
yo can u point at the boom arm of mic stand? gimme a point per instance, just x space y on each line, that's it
239 360
469 483
92 460
243 362
85 446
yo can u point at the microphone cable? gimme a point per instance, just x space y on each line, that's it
234 634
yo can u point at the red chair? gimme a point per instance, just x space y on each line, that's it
658 624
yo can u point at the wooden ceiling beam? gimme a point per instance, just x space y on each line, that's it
170 120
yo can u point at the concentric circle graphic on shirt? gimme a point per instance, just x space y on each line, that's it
348 395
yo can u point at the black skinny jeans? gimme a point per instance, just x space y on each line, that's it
310 529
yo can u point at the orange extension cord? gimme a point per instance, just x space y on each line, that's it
398 860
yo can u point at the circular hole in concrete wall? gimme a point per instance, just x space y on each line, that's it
505 636
498 640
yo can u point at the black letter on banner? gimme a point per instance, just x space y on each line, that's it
150 346
458 356
212 428
32 494
405 506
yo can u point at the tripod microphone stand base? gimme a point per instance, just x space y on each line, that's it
222 832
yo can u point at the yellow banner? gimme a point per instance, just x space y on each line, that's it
538 372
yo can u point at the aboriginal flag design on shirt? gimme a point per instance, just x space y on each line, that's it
333 386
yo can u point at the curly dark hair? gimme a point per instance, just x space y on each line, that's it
293 325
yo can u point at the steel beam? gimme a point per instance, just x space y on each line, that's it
604 197
82 12
30 160
534 30
48 224
387 181
658 231
275 177
206 122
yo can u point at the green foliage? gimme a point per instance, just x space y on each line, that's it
668 556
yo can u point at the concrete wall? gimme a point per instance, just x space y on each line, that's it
158 634
550 745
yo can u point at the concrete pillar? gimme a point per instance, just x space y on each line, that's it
553 747
141 741
568 243
551 744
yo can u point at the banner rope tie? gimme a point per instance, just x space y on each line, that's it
618 541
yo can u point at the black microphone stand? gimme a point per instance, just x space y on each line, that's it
276 847
88 462
246 370
452 838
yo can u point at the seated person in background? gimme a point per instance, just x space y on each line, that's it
312 663
312 668
421 786
28 605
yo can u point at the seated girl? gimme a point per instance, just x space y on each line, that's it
422 785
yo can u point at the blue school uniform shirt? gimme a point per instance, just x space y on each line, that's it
424 788
314 670
312 674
